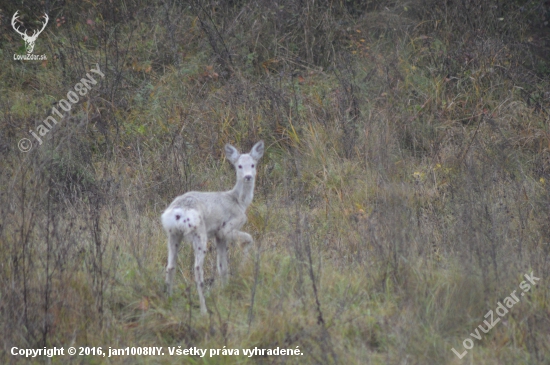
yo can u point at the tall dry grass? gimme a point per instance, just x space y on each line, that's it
403 192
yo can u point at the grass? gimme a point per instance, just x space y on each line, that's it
402 194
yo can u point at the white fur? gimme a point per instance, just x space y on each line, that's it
177 219
198 216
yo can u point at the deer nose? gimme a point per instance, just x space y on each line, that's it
248 177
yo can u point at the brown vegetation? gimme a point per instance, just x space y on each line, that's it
404 190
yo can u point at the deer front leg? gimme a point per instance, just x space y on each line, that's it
199 246
244 239
174 240
221 246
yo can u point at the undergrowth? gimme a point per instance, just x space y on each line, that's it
403 194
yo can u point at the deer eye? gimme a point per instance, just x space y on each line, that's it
252 166
240 166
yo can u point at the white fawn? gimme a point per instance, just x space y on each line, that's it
198 216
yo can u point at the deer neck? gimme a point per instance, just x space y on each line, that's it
244 192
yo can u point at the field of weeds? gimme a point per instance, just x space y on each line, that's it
402 207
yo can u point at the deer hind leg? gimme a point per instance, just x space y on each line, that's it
199 246
174 240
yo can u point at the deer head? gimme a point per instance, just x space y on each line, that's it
29 40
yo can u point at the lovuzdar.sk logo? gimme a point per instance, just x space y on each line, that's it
29 40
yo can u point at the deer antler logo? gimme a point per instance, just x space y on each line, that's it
29 40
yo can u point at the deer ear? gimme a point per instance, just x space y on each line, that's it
231 153
257 151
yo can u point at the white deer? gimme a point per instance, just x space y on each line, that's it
196 217
29 40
